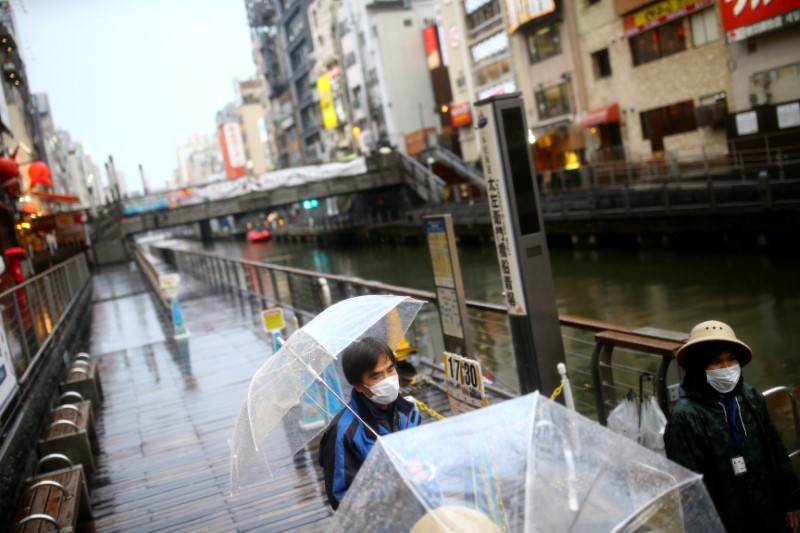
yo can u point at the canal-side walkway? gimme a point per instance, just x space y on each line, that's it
169 411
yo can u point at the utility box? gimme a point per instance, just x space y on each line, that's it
518 229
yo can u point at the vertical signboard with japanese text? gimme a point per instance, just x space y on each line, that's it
230 137
449 285
522 252
326 105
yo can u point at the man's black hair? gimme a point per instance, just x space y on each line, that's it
362 356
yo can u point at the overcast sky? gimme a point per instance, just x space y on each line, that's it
133 78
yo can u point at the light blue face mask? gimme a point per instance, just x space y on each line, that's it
724 379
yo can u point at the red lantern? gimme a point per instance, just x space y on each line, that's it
9 174
39 172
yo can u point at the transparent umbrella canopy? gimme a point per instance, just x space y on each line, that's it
297 391
523 465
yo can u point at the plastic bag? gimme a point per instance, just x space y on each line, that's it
624 419
653 425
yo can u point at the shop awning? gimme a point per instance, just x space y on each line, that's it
603 115
67 198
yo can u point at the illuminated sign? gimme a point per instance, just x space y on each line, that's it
661 13
460 115
742 19
520 12
432 47
328 109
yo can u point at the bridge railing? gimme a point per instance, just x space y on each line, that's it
598 381
32 313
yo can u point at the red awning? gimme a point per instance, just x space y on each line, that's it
603 115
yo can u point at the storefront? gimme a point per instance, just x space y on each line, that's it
604 136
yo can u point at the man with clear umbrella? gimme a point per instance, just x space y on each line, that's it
375 408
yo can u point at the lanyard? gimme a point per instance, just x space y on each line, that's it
732 421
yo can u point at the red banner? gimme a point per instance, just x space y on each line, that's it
431 40
763 15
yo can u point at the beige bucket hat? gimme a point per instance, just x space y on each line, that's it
714 330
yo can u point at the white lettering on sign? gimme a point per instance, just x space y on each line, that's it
501 224
740 5
235 144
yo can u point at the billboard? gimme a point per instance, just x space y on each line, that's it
520 12
742 19
460 115
660 13
326 105
431 39
230 138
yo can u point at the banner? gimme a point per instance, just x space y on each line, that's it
326 106
660 13
745 18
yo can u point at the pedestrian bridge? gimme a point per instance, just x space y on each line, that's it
281 188
722 195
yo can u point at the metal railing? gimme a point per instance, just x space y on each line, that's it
790 395
305 293
33 311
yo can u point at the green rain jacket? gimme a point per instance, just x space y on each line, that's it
700 436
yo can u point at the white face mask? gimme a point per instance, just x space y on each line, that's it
385 391
724 379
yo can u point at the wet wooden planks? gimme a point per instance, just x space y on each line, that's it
166 420
169 412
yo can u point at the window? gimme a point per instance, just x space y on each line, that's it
768 77
406 22
356 103
659 42
484 17
299 56
493 71
553 101
704 27
544 42
671 119
349 59
601 63
301 87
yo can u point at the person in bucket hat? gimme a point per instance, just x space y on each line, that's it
721 429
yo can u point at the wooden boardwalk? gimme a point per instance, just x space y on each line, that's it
169 411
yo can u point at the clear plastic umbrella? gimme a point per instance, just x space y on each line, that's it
301 388
523 465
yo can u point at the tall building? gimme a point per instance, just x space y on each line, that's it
478 50
545 51
250 114
337 138
649 68
198 160
286 45
386 69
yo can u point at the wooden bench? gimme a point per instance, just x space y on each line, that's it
83 378
71 431
53 502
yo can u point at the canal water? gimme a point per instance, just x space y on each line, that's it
757 294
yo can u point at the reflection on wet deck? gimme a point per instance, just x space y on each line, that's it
168 414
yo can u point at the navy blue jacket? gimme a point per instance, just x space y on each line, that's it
346 442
